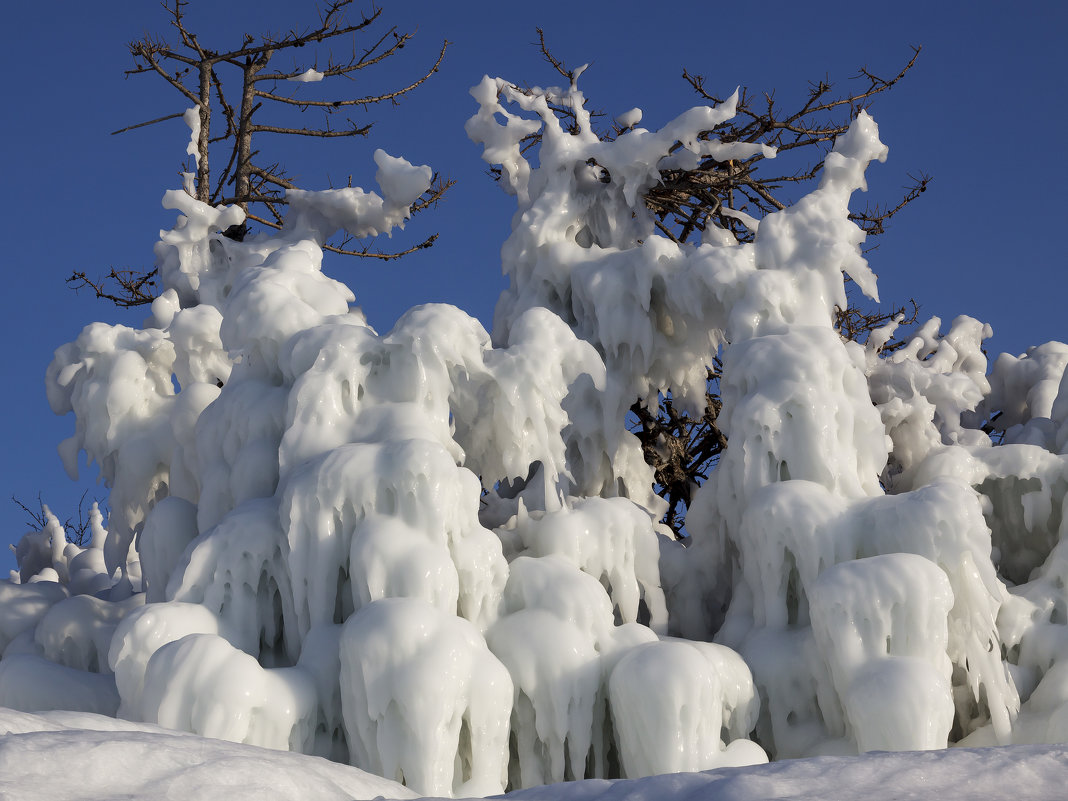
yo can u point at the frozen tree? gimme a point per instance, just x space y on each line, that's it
435 552
241 84
727 199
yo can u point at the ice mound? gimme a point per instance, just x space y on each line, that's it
107 758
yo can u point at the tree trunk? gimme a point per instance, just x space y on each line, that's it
243 170
203 168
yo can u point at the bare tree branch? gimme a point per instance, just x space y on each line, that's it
355 130
359 101
367 253
194 70
150 122
134 288
76 530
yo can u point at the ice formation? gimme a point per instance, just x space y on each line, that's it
309 75
434 553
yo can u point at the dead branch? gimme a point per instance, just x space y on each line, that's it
134 288
682 450
201 75
150 122
77 530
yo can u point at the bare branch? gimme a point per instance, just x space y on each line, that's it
330 29
366 253
557 64
134 288
431 197
872 220
147 51
277 180
77 531
856 324
355 130
359 101
150 122
369 58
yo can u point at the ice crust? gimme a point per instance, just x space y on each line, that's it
103 757
433 552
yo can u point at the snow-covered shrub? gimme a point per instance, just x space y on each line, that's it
434 552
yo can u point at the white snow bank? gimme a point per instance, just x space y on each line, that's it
107 758
1020 773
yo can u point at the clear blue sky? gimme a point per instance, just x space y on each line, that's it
983 112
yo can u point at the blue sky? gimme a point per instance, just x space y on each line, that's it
983 112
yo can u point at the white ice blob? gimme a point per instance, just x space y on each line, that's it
425 702
310 75
202 684
674 703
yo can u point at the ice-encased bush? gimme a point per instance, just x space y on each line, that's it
434 552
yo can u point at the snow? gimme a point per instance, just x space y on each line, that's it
628 119
101 757
1030 773
425 702
322 213
191 117
434 552
81 756
309 75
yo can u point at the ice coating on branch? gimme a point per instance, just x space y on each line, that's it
143 632
628 119
882 623
191 117
202 684
320 214
24 605
425 702
326 500
804 437
611 540
237 570
671 703
574 246
192 260
77 631
436 553
310 75
556 707
390 559
117 381
168 530
927 391
1025 390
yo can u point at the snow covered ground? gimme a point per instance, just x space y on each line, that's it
65 756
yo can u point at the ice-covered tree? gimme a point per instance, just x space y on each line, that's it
727 198
435 552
